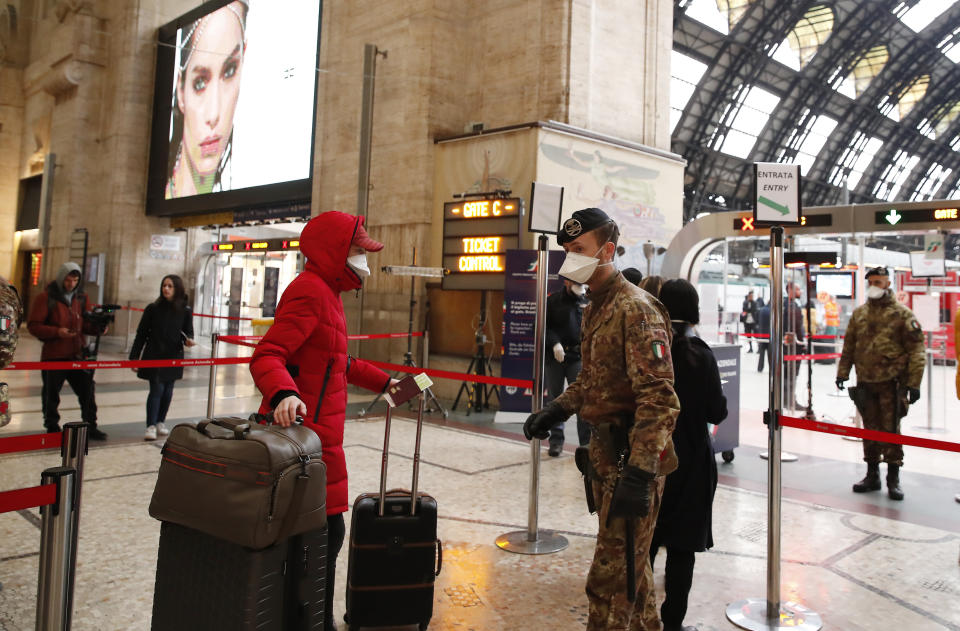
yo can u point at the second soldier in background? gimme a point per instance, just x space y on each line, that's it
884 342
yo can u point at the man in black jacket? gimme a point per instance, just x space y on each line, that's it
792 330
564 316
748 316
763 343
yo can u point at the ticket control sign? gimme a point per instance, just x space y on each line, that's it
476 236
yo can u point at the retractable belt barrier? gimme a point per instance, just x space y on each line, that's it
58 497
31 497
219 361
126 363
252 340
199 315
869 434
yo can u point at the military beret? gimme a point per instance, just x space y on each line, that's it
876 271
581 222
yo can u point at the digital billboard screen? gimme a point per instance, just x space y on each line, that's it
234 103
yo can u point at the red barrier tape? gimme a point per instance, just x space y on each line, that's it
869 434
766 336
127 363
240 340
30 442
382 336
28 498
457 376
792 358
199 315
251 340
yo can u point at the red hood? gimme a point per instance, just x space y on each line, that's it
325 241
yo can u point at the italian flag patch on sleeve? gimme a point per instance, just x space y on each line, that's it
659 349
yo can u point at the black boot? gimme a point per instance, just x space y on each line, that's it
871 481
893 482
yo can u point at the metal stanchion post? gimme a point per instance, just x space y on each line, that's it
73 450
943 400
929 378
789 392
757 614
56 533
212 386
532 540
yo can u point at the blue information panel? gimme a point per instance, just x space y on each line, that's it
519 320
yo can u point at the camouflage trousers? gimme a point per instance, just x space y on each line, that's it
883 409
607 581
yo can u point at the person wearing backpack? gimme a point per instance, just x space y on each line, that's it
165 328
56 319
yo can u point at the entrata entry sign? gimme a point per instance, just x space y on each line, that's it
776 193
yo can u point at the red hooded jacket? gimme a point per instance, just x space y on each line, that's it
305 351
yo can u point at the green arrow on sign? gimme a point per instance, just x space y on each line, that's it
893 217
780 208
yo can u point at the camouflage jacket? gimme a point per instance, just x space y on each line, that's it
627 376
885 342
11 315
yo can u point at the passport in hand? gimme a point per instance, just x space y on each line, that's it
406 389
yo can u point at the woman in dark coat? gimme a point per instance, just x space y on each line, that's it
684 522
165 328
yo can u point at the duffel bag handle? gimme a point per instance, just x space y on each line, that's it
238 426
267 419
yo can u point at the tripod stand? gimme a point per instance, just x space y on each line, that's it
408 356
478 394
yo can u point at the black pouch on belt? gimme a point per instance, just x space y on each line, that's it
582 458
859 397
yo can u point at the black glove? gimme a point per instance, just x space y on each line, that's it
913 395
539 423
840 381
631 496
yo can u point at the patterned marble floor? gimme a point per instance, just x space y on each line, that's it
854 569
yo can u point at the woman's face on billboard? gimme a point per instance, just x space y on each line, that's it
208 91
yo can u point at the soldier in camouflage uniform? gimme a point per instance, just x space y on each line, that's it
11 315
625 392
885 343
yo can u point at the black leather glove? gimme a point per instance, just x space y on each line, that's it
840 381
913 395
539 423
631 496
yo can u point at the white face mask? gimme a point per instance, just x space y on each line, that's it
358 263
580 267
874 292
578 290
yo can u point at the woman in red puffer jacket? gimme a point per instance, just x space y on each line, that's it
301 365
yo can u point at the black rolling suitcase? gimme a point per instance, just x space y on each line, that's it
205 583
395 554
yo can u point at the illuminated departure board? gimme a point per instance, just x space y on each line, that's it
476 236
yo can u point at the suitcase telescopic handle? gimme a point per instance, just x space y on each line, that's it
416 461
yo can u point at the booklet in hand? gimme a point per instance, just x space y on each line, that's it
406 389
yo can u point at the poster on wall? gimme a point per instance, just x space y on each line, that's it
641 190
519 320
